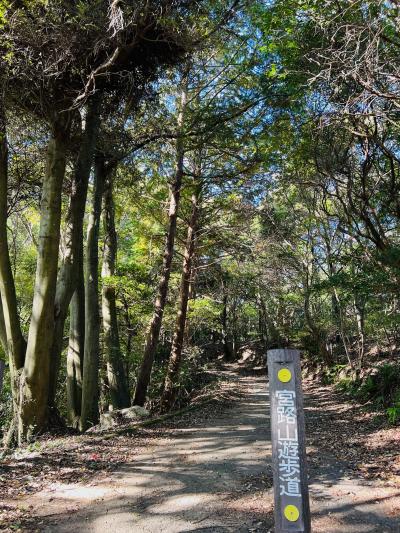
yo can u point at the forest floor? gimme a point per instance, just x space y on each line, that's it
207 471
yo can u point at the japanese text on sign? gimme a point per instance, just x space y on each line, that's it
288 444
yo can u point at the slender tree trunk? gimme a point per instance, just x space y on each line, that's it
262 321
177 342
16 345
359 309
342 329
2 367
90 383
73 238
315 331
335 300
272 334
146 366
76 348
130 332
331 271
35 379
234 328
224 325
3 332
117 382
10 329
337 307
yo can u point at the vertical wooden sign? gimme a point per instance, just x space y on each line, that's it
292 508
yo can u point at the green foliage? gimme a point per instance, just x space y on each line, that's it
393 414
299 239
330 376
381 388
4 5
204 312
5 404
193 377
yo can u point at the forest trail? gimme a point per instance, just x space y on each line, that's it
215 476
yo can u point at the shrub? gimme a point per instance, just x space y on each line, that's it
382 388
393 414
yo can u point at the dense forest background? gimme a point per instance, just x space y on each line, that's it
184 183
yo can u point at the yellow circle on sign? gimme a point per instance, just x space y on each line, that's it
284 375
291 513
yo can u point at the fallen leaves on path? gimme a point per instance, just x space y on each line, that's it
86 458
354 433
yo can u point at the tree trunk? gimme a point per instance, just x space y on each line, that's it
234 328
76 348
314 330
224 325
2 367
3 332
10 329
263 322
117 382
359 309
146 366
90 383
130 332
35 378
177 342
342 329
273 336
15 343
73 238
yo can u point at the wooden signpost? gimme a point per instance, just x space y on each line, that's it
292 508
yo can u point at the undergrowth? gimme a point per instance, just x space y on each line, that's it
193 379
381 387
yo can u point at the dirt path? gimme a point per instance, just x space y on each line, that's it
214 476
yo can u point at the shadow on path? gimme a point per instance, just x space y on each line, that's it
215 476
